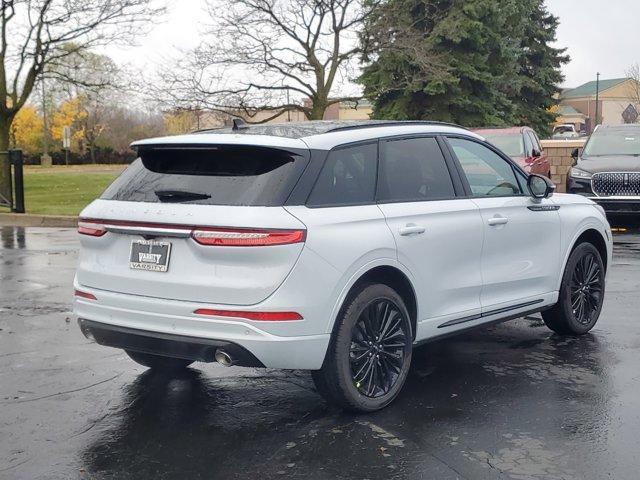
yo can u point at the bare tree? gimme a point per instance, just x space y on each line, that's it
634 89
34 39
270 56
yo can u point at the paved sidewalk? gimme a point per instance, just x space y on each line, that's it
30 220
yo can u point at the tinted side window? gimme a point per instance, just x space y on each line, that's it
413 169
488 174
348 177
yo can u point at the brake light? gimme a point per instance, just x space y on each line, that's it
91 228
87 295
220 236
257 316
228 237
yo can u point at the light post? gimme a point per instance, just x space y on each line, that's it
595 123
45 160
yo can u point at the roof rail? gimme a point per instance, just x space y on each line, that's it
210 129
391 123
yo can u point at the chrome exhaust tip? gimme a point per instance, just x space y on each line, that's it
223 358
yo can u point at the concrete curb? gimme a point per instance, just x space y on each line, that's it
29 220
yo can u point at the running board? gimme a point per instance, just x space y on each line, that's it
471 318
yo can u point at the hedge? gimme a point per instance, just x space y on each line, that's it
103 155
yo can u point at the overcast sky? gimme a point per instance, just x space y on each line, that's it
600 36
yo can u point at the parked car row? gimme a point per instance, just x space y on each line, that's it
607 170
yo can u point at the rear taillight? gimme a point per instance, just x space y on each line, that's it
87 295
256 316
91 228
220 236
228 237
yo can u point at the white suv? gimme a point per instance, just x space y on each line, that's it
332 247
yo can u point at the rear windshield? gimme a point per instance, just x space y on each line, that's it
248 176
510 144
613 141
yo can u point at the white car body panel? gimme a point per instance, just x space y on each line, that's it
227 275
328 141
521 257
447 282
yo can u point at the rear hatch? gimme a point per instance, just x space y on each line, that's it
202 224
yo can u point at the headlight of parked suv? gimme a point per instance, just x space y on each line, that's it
577 173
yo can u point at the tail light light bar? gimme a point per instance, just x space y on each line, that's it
256 316
87 295
209 236
246 238
91 228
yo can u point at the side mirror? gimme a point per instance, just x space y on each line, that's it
535 153
540 187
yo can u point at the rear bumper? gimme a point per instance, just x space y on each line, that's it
170 328
177 346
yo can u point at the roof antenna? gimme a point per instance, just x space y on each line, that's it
238 124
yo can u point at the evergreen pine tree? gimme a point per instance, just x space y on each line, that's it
472 62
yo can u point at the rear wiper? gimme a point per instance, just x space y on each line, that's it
179 195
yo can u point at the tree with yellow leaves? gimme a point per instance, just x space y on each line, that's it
26 130
70 114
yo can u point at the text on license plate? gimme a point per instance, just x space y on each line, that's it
150 255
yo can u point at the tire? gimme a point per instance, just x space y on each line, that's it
159 362
362 376
581 293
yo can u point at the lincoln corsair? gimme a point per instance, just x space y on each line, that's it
608 171
330 247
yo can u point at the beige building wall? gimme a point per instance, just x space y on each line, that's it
621 91
612 112
360 113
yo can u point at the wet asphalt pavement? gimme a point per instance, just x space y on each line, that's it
512 401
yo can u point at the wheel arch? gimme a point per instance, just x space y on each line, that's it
390 275
594 237
589 234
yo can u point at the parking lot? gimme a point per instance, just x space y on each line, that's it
510 401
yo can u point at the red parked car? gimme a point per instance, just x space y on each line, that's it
522 145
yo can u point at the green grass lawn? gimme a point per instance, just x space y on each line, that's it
65 190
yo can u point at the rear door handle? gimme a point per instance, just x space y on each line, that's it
498 221
411 229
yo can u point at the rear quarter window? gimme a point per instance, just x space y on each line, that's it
348 177
242 176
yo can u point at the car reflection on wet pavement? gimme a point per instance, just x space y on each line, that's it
509 401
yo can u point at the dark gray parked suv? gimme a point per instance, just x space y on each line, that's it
608 171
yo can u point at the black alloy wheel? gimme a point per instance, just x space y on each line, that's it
378 348
369 356
581 293
586 288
